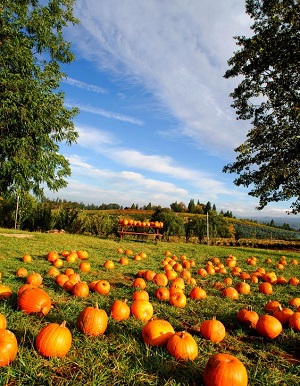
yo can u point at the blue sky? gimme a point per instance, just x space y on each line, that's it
155 122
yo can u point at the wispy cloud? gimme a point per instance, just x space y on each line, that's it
177 52
85 86
105 113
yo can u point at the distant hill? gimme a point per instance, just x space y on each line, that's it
292 220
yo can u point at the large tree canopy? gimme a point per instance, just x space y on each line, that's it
33 119
268 94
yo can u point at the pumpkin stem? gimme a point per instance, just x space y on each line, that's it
96 306
63 323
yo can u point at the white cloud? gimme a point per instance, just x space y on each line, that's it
85 86
178 50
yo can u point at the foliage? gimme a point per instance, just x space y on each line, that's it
33 118
268 95
173 224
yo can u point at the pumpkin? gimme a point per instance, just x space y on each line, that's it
294 302
58 263
230 292
34 301
53 271
283 314
81 289
161 280
24 287
224 369
140 295
85 266
2 321
142 310
34 279
178 299
82 254
109 264
61 279
124 260
102 287
182 346
248 317
149 275
92 321
294 321
5 291
265 288
268 326
157 332
198 293
27 258
243 288
52 256
294 281
162 293
213 330
272 306
139 282
120 310
8 347
53 340
21 272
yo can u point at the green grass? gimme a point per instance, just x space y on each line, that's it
120 357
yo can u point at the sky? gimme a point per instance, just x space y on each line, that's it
155 123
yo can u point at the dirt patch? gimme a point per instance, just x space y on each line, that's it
20 236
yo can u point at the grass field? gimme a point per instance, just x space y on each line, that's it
119 356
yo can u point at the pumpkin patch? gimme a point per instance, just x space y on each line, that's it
178 308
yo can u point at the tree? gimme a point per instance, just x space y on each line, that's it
269 96
191 206
33 118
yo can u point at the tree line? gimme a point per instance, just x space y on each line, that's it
78 218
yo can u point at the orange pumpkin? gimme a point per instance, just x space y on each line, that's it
294 321
52 255
283 314
198 293
224 369
27 258
92 321
268 326
81 289
120 310
2 321
140 295
139 282
162 293
34 301
102 287
213 330
182 346
160 279
85 266
265 288
109 264
5 291
22 272
54 340
230 292
178 299
8 347
82 254
248 317
157 332
142 310
34 279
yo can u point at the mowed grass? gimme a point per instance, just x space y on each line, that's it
120 357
